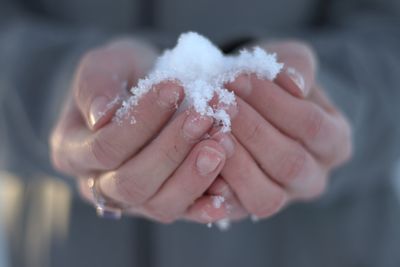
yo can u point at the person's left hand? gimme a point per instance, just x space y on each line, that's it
287 136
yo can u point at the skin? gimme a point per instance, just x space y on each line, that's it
286 138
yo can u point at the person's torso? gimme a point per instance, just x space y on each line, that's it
217 19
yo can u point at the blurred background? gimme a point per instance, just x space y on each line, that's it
33 216
43 222
36 220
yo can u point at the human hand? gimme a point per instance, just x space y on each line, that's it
156 167
287 136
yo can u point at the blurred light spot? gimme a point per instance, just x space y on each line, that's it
11 196
396 179
48 219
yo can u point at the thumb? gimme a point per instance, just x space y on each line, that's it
300 63
104 76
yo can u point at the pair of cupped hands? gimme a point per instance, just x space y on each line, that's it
286 138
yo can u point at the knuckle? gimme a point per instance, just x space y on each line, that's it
167 219
319 188
147 127
344 146
254 133
130 190
54 144
160 214
269 206
313 124
347 141
171 156
104 153
292 165
58 159
193 188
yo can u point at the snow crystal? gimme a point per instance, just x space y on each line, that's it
217 201
254 218
223 224
202 69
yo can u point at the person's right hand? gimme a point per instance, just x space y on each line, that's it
157 167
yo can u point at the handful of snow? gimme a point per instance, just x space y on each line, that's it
202 70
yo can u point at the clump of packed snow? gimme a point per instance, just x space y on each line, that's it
202 70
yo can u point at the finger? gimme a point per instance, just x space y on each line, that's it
219 203
345 148
299 119
298 75
281 158
257 192
138 179
222 195
319 97
111 145
204 211
188 182
103 78
84 190
220 188
70 118
87 195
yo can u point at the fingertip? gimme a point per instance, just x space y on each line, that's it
242 85
204 211
170 94
298 75
102 79
194 125
293 82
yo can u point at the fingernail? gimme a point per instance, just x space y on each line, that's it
168 96
297 79
98 108
226 141
208 160
242 85
195 126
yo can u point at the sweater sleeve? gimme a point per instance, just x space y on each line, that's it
38 56
359 56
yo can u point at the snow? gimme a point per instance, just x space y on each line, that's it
254 218
217 201
202 69
223 224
